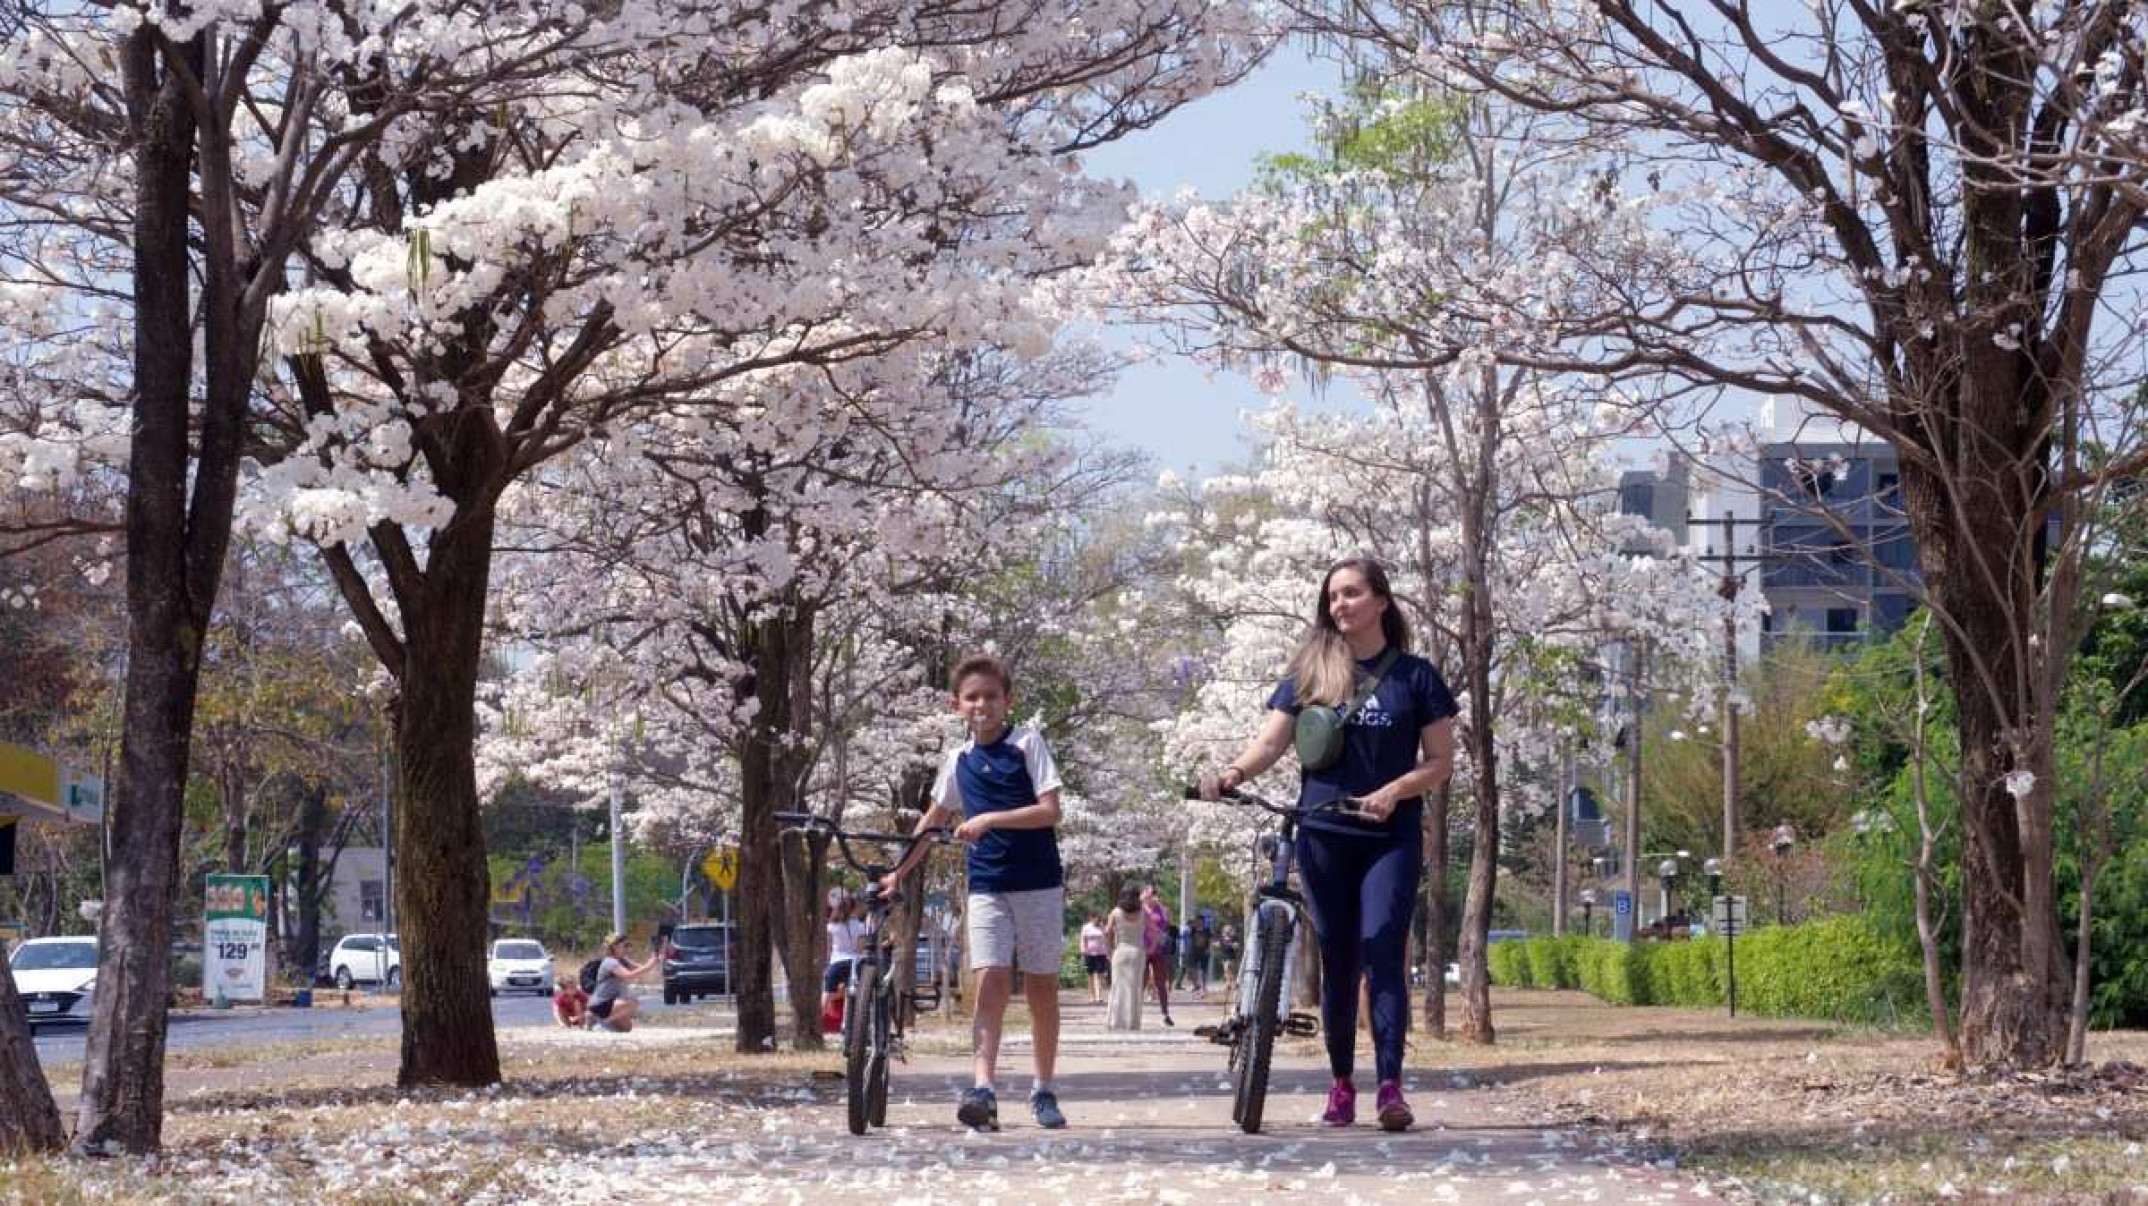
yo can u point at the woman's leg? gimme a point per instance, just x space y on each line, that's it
1387 901
1332 865
1160 975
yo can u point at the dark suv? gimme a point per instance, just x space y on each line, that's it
701 966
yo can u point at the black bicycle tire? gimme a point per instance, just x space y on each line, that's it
857 1045
1262 1027
876 1069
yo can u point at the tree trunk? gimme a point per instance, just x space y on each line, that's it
29 1121
172 568
1436 808
312 814
805 944
442 888
760 868
2077 1014
232 787
2014 985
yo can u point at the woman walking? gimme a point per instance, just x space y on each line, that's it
1125 928
1361 871
1096 958
1156 941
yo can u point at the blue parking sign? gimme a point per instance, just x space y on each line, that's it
1622 916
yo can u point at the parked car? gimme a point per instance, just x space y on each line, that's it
519 965
366 959
700 964
56 977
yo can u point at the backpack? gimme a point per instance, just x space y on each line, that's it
589 974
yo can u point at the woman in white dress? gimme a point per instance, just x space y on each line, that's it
1128 958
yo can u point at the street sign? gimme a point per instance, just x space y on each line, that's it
1729 915
1622 915
721 867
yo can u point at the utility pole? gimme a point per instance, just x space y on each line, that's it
1632 877
618 861
1731 586
1558 866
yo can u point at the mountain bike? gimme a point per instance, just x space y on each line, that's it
1258 1016
872 1027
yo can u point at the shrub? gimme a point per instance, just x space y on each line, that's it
1509 965
1837 969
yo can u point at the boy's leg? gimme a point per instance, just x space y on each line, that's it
994 986
1043 994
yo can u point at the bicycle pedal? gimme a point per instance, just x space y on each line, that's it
1301 1025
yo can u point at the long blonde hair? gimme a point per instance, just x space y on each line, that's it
1323 668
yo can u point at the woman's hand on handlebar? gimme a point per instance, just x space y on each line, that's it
1373 806
1212 786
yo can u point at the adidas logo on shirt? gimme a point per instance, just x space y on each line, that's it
1373 716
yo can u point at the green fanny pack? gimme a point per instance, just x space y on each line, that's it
1318 734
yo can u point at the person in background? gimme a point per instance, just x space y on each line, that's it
1095 958
1156 942
1227 954
845 931
612 1006
1125 930
570 1005
1198 944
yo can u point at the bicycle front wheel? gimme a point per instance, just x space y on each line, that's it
858 1042
876 1069
1261 1028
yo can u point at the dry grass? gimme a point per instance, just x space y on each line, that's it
1794 1109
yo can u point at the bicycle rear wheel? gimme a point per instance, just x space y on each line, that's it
876 1069
858 1042
1261 1028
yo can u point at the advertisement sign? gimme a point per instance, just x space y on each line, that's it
234 956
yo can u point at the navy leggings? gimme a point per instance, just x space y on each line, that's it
1363 891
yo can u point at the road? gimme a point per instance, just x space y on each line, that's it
195 1029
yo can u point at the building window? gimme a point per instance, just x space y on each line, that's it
1841 621
1815 478
372 900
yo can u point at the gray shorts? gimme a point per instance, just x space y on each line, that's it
1022 930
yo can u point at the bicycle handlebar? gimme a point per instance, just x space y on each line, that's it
1341 805
936 834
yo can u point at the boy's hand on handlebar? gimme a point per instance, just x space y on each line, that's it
974 829
889 882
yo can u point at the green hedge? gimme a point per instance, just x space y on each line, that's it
1838 969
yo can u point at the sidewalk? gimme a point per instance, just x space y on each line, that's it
1150 1122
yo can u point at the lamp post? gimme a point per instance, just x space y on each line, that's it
1785 837
1588 907
1666 871
1718 903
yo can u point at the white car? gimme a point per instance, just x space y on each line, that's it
56 977
519 965
366 959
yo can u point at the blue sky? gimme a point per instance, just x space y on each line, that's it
1178 412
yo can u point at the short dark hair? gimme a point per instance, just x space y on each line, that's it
981 663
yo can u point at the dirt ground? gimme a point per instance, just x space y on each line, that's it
1577 1102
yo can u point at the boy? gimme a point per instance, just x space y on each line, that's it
1003 785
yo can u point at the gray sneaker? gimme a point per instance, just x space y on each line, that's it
979 1110
1045 1105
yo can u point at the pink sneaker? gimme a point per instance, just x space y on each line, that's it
1342 1104
1394 1112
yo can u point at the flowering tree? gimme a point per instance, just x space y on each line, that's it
1910 216
1427 261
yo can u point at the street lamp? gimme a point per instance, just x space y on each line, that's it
1785 837
1666 871
1588 906
1724 913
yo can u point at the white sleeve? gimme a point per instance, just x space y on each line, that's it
1043 772
945 791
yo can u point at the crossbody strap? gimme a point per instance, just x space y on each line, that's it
1371 685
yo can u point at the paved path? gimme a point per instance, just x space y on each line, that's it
1150 1122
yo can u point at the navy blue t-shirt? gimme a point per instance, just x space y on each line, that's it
1012 772
1380 744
